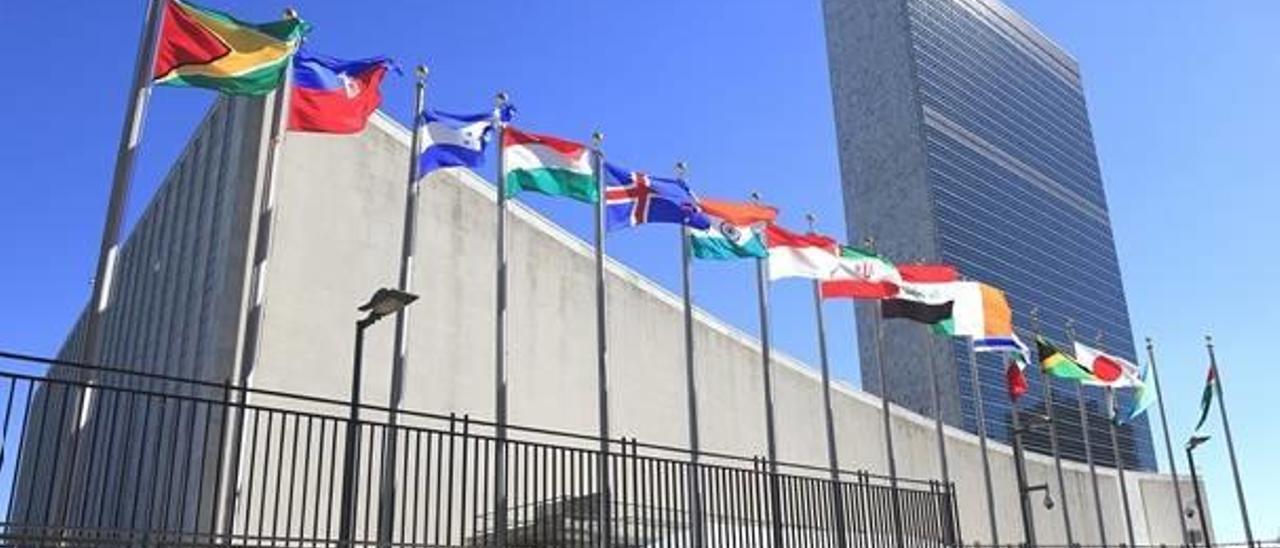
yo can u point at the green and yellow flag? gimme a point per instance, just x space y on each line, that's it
1055 362
204 48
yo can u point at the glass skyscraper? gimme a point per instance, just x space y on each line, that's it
964 138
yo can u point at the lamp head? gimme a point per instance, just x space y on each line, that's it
1195 441
387 301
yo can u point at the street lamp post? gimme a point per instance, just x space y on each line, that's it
1192 443
1020 472
384 302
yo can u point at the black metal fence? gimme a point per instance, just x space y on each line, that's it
100 456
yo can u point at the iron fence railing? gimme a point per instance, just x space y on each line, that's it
103 456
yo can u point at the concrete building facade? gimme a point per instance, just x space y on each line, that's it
964 138
335 237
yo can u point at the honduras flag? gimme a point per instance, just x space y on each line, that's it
454 140
633 198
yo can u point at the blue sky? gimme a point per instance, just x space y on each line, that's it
1182 96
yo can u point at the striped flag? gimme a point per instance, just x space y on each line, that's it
794 255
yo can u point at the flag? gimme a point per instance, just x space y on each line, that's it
204 48
1206 397
732 234
1015 378
1108 370
1054 362
1010 344
861 274
633 198
453 140
548 165
979 311
333 95
1143 397
925 294
800 255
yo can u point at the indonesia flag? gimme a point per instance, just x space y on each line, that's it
793 255
1108 370
333 95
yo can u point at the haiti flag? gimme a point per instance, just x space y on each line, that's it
333 95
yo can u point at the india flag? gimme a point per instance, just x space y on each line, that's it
732 234
548 165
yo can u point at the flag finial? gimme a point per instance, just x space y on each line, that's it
597 137
422 71
1149 342
755 197
290 13
501 99
1208 340
811 219
681 169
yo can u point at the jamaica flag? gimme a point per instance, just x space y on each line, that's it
204 48
1058 364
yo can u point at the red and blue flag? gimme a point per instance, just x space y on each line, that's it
334 95
633 198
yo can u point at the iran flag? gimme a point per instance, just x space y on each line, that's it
794 255
1108 370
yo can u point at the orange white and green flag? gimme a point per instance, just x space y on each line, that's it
204 48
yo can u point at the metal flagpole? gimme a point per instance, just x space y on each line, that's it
833 460
117 203
766 366
1231 448
1168 443
1115 451
122 178
253 321
400 349
500 342
935 391
691 384
1088 447
982 442
885 395
1053 440
602 348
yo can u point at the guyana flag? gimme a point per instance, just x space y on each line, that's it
1055 362
203 48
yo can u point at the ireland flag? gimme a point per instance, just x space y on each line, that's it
732 234
548 165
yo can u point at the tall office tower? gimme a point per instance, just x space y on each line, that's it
964 137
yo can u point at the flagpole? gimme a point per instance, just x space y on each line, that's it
117 203
888 423
121 180
400 348
935 391
1168 443
1088 444
1231 448
602 346
691 384
982 442
500 341
766 367
1115 451
833 460
1053 440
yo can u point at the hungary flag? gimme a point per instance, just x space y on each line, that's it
1058 364
732 234
862 274
204 48
1206 397
548 165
